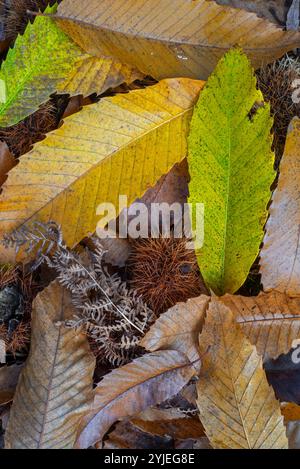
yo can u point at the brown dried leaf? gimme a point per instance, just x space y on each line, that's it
172 38
283 375
292 20
172 186
178 429
117 249
237 406
7 162
200 443
153 414
275 11
293 433
148 380
189 393
271 321
9 376
178 328
55 385
127 436
280 255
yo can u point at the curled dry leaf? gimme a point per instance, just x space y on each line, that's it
271 321
129 390
237 406
178 328
55 386
171 38
81 164
280 255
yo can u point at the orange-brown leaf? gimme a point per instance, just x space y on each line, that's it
179 429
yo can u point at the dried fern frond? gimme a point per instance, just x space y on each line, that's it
40 238
114 316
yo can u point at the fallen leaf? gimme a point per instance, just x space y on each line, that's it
82 164
172 38
178 328
9 376
280 254
284 376
275 11
290 411
292 21
200 443
171 188
45 60
293 433
117 250
181 429
153 414
237 406
231 167
126 391
271 321
55 386
127 436
189 393
7 162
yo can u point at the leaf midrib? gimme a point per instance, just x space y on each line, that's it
95 165
233 384
51 376
226 204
